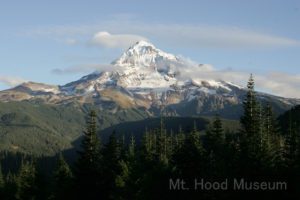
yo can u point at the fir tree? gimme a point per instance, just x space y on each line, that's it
63 179
162 143
112 168
148 146
131 149
121 181
10 186
190 158
271 137
250 118
2 183
215 147
88 169
215 136
26 182
291 146
250 135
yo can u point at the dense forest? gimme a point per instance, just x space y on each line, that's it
170 165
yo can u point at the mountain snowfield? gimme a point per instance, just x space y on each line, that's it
147 78
143 69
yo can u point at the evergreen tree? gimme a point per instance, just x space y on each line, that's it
215 146
190 158
2 183
162 143
10 186
250 135
63 178
111 167
179 138
88 171
148 146
126 181
131 148
250 118
271 138
215 136
26 182
291 145
122 182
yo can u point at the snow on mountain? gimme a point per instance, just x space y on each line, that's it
148 78
39 87
143 54
144 66
141 69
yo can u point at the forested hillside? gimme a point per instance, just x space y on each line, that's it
260 153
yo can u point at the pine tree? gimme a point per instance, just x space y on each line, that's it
2 183
148 146
190 158
63 179
26 182
271 137
121 181
179 138
250 119
10 186
88 169
126 180
215 136
250 135
291 146
215 146
131 148
162 142
112 168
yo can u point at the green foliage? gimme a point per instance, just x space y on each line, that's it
10 186
88 165
27 182
190 159
252 143
114 169
215 137
8 118
38 129
41 129
250 121
62 180
2 184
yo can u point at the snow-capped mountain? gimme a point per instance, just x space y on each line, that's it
147 78
142 68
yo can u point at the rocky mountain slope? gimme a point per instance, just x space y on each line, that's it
144 82
148 79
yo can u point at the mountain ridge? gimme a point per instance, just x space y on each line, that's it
147 78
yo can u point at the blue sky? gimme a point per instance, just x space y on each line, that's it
260 36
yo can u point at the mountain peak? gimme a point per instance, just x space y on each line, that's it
143 54
142 43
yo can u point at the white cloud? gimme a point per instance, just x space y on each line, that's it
85 68
11 81
282 84
106 39
71 41
277 83
183 35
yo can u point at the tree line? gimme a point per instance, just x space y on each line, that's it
259 151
